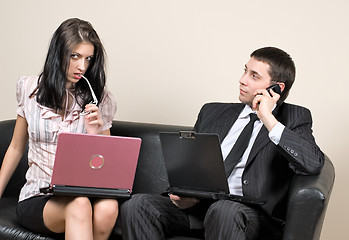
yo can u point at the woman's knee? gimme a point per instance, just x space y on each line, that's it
105 213
105 209
80 207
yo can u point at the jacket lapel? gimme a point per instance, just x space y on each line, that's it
261 140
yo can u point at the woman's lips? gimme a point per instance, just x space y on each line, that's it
77 75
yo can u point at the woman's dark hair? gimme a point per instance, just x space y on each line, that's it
52 81
282 67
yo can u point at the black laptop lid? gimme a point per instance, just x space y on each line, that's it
194 163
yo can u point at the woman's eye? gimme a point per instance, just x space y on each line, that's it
89 58
75 56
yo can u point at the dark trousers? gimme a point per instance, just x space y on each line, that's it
156 217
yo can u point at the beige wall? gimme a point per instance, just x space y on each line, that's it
167 58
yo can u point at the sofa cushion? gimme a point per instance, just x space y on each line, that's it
9 228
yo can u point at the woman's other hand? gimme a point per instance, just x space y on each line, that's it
93 120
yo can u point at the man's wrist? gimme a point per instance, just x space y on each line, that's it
269 122
276 133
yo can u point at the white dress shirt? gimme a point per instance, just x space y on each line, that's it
234 180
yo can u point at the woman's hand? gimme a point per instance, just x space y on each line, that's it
183 202
93 120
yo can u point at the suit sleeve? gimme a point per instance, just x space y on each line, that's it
206 116
210 113
299 147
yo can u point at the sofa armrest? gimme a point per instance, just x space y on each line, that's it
18 178
307 204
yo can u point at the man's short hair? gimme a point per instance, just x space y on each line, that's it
282 68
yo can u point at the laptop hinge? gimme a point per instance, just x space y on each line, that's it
187 134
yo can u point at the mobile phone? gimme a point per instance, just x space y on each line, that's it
276 88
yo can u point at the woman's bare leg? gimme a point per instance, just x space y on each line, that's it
105 213
70 215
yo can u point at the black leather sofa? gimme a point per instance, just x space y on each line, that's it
307 203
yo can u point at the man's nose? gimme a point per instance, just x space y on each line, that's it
243 79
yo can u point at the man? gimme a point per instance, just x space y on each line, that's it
280 146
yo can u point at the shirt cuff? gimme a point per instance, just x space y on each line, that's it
276 132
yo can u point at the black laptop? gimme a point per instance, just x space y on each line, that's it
195 167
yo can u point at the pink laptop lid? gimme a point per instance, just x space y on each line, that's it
95 161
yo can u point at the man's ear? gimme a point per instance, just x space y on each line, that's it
282 86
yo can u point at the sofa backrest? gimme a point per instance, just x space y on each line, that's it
151 175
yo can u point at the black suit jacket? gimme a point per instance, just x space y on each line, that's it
269 168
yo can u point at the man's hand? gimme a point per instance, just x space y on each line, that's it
263 103
183 202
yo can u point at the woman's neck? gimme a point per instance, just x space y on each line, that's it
70 86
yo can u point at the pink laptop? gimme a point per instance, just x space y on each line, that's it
94 165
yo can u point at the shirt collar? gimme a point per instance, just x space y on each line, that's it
248 110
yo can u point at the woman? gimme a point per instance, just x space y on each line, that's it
48 105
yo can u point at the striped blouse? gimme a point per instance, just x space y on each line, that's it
44 126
